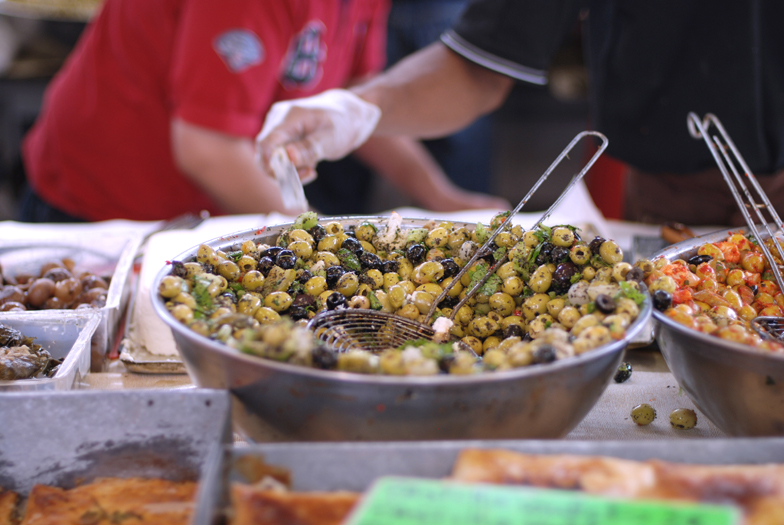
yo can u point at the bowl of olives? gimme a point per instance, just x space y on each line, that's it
706 291
540 341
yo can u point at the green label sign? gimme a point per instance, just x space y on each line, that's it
404 501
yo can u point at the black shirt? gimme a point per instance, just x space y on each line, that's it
650 64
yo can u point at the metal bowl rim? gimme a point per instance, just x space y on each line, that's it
440 379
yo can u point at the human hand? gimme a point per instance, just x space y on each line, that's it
327 126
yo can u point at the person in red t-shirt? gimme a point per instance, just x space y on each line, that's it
154 113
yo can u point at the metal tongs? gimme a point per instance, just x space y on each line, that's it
754 205
372 330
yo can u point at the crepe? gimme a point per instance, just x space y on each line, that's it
252 506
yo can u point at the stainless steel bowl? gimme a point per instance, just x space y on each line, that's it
739 389
278 401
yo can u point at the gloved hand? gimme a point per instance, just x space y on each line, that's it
327 126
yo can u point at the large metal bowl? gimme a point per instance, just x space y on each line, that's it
741 390
278 401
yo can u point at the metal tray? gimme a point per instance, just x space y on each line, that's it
105 255
67 337
75 437
354 466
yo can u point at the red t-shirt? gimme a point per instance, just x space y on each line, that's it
101 149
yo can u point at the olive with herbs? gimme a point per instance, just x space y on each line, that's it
318 232
334 273
286 259
545 252
391 266
451 268
559 254
271 252
336 300
304 277
371 261
353 245
416 253
265 265
596 244
623 373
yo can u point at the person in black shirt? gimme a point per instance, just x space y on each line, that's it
649 63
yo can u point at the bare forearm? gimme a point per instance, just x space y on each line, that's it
409 166
433 93
224 167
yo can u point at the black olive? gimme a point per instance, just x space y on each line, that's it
334 273
488 252
324 358
265 265
304 300
605 303
513 330
595 244
336 300
371 261
416 253
754 289
350 232
318 232
635 274
297 312
624 372
286 259
391 266
178 269
545 251
699 259
445 362
559 254
642 287
662 300
226 299
353 246
562 277
304 276
544 354
271 252
449 302
451 268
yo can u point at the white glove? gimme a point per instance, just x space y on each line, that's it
327 126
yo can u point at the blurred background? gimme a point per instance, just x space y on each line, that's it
503 155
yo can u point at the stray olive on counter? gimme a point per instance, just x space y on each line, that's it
624 372
683 418
643 414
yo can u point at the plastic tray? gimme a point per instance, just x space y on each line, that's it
68 336
355 466
105 255
75 437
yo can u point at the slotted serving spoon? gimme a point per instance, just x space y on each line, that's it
374 331
752 201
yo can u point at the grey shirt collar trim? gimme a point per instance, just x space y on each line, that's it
495 63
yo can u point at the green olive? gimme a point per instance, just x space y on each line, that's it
347 284
390 280
562 236
229 270
610 252
580 254
505 240
535 305
554 306
253 281
170 286
248 304
246 263
502 303
643 414
437 238
513 286
568 316
683 418
376 277
329 243
457 238
278 301
329 258
333 228
183 313
365 232
422 300
541 279
620 270
299 235
301 249
531 239
192 269
428 272
506 270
